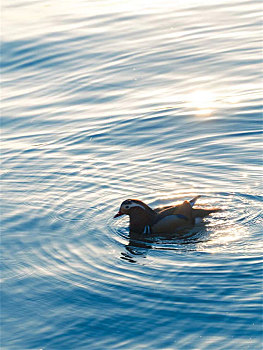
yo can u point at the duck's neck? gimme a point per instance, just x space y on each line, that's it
139 218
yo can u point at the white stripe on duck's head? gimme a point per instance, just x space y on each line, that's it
129 204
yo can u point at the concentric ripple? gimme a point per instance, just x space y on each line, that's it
159 101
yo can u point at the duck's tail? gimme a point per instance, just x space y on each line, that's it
202 213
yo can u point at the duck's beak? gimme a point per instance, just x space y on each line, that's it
118 214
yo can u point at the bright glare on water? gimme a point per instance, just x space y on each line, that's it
108 100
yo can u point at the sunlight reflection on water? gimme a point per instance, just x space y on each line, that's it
203 101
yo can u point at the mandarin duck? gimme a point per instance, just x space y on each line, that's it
161 221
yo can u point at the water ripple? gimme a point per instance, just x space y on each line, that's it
159 102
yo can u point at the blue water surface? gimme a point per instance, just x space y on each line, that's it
108 100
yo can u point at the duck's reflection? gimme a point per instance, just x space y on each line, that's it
185 240
134 249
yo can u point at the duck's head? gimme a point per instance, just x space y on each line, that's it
130 206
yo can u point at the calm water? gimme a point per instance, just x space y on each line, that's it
106 100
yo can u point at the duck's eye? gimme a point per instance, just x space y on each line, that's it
127 206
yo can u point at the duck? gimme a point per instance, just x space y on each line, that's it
161 221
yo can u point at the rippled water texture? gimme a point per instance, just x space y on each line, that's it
108 100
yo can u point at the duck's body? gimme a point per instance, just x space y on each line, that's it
161 221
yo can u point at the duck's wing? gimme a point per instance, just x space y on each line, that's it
169 224
164 209
170 208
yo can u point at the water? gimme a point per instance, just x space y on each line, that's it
109 100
